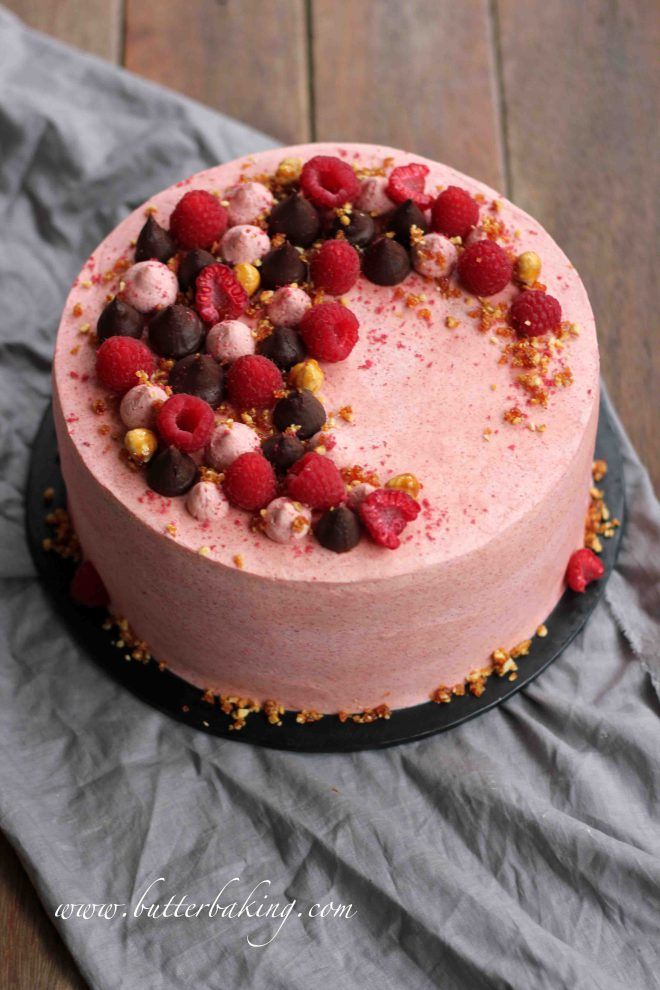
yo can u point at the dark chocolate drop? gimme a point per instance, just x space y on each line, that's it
192 265
402 218
297 219
118 319
386 262
198 375
284 347
282 266
283 450
171 472
338 529
154 242
176 331
360 231
299 408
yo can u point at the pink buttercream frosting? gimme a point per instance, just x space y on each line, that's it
502 506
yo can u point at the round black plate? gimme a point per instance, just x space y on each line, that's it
170 694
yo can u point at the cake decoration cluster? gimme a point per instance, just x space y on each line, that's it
226 326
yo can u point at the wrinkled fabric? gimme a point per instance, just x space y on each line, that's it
520 850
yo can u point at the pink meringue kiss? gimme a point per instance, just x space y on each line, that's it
150 285
229 441
434 256
358 493
247 201
140 404
288 306
244 244
285 521
205 502
373 197
229 340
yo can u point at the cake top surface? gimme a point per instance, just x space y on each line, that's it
437 386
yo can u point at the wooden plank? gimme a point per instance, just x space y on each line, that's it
580 96
418 75
32 954
95 26
247 58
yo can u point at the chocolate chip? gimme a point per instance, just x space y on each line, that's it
284 347
191 266
402 218
154 242
118 319
171 472
198 375
359 231
297 219
338 530
281 266
283 450
300 408
176 331
386 262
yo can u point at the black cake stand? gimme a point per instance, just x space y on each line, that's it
183 702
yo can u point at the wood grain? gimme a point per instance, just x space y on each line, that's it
32 956
580 84
418 75
247 58
95 25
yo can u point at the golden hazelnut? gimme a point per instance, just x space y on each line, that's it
141 445
528 267
288 171
405 483
248 276
307 374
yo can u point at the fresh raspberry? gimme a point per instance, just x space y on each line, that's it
454 212
407 182
219 295
253 381
484 268
315 481
250 481
118 361
335 267
534 313
330 331
198 220
328 181
385 513
87 588
186 422
583 568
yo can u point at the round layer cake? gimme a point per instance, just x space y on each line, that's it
462 427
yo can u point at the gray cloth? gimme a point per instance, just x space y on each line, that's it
517 851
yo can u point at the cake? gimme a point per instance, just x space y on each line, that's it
365 315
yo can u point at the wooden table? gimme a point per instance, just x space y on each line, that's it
551 101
